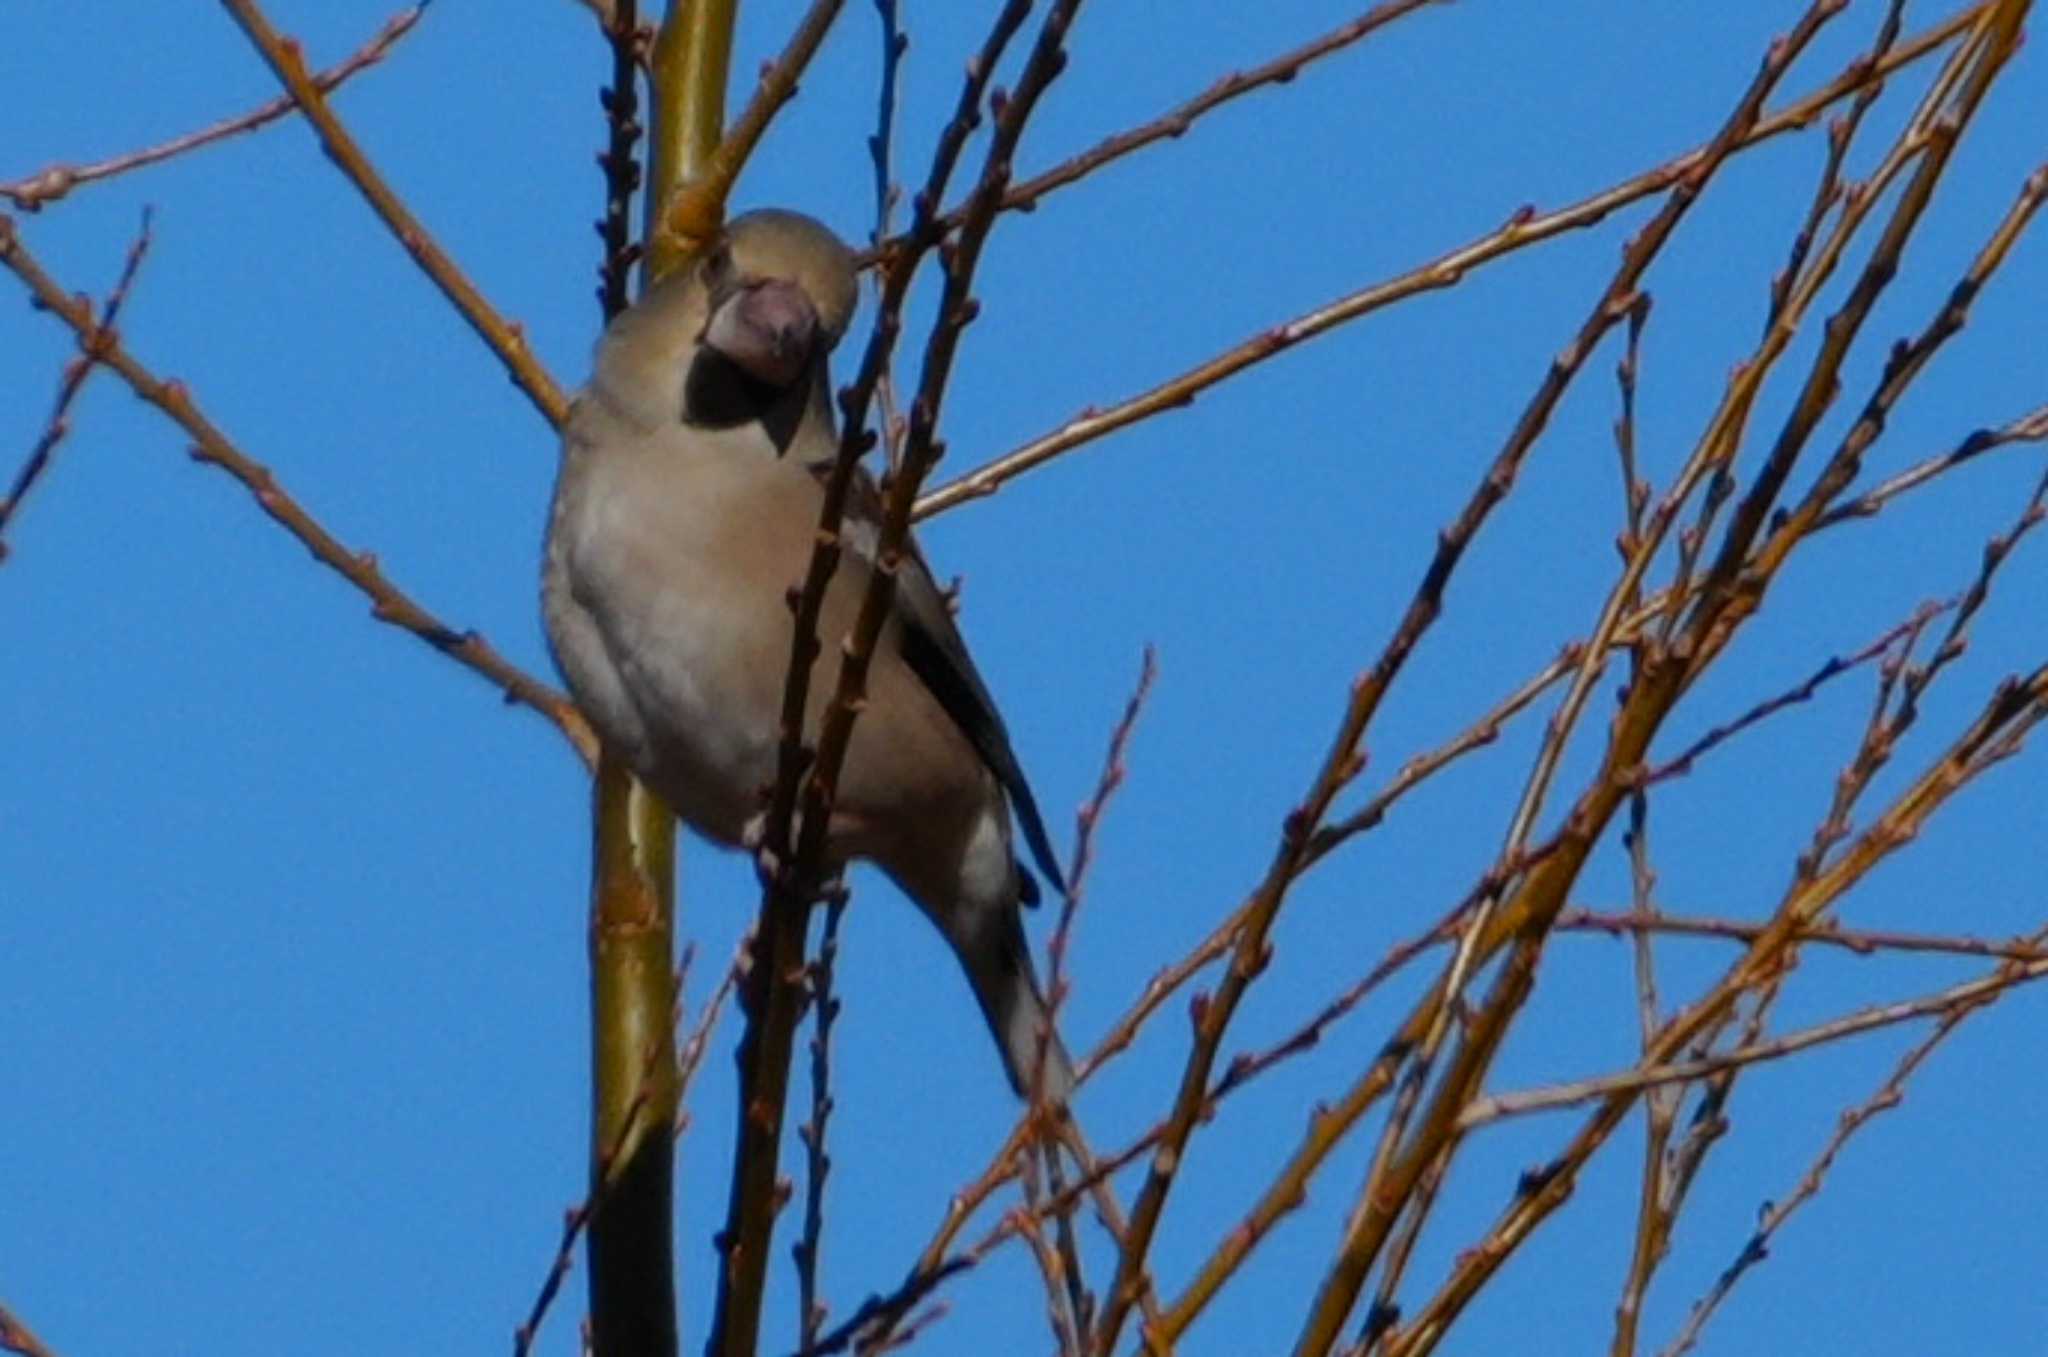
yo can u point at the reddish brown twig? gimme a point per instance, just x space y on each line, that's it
1086 821
389 604
578 1217
71 382
2031 427
1835 667
505 338
810 776
1341 765
1887 1096
1862 941
55 181
695 210
1176 122
17 1337
1970 994
1522 229
824 1007
620 21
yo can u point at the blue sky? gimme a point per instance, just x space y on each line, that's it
291 909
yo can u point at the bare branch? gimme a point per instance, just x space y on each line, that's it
1175 122
766 1047
818 1164
696 209
17 1337
70 383
1523 228
55 181
389 603
505 338
1970 994
619 161
1888 1095
2031 427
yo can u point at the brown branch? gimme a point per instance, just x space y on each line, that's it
1422 767
504 338
578 1217
1522 229
695 206
17 1337
1345 758
619 161
1740 575
1635 491
766 1046
1828 191
2031 427
1087 820
55 181
1862 941
1655 1208
1176 122
1970 994
2015 706
1522 918
824 1007
71 382
1066 1300
1887 1096
389 603
1835 667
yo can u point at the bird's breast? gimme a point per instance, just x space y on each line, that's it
685 571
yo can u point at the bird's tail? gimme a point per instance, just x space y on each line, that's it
999 967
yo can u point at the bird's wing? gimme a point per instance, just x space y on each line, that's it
933 649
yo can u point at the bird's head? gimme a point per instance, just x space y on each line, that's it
779 289
739 335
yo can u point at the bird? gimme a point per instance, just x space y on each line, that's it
685 513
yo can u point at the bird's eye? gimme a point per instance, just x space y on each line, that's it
718 267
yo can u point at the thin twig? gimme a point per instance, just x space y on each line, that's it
389 604
505 338
696 208
1655 1209
17 1337
1887 1096
691 1054
1969 994
766 1046
818 1164
1087 820
2031 427
1391 1185
1176 122
53 182
1523 228
619 160
71 382
578 1217
1862 941
1834 667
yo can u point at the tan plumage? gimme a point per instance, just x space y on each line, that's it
685 510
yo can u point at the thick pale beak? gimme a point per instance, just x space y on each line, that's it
768 330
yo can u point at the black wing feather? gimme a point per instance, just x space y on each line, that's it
961 694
